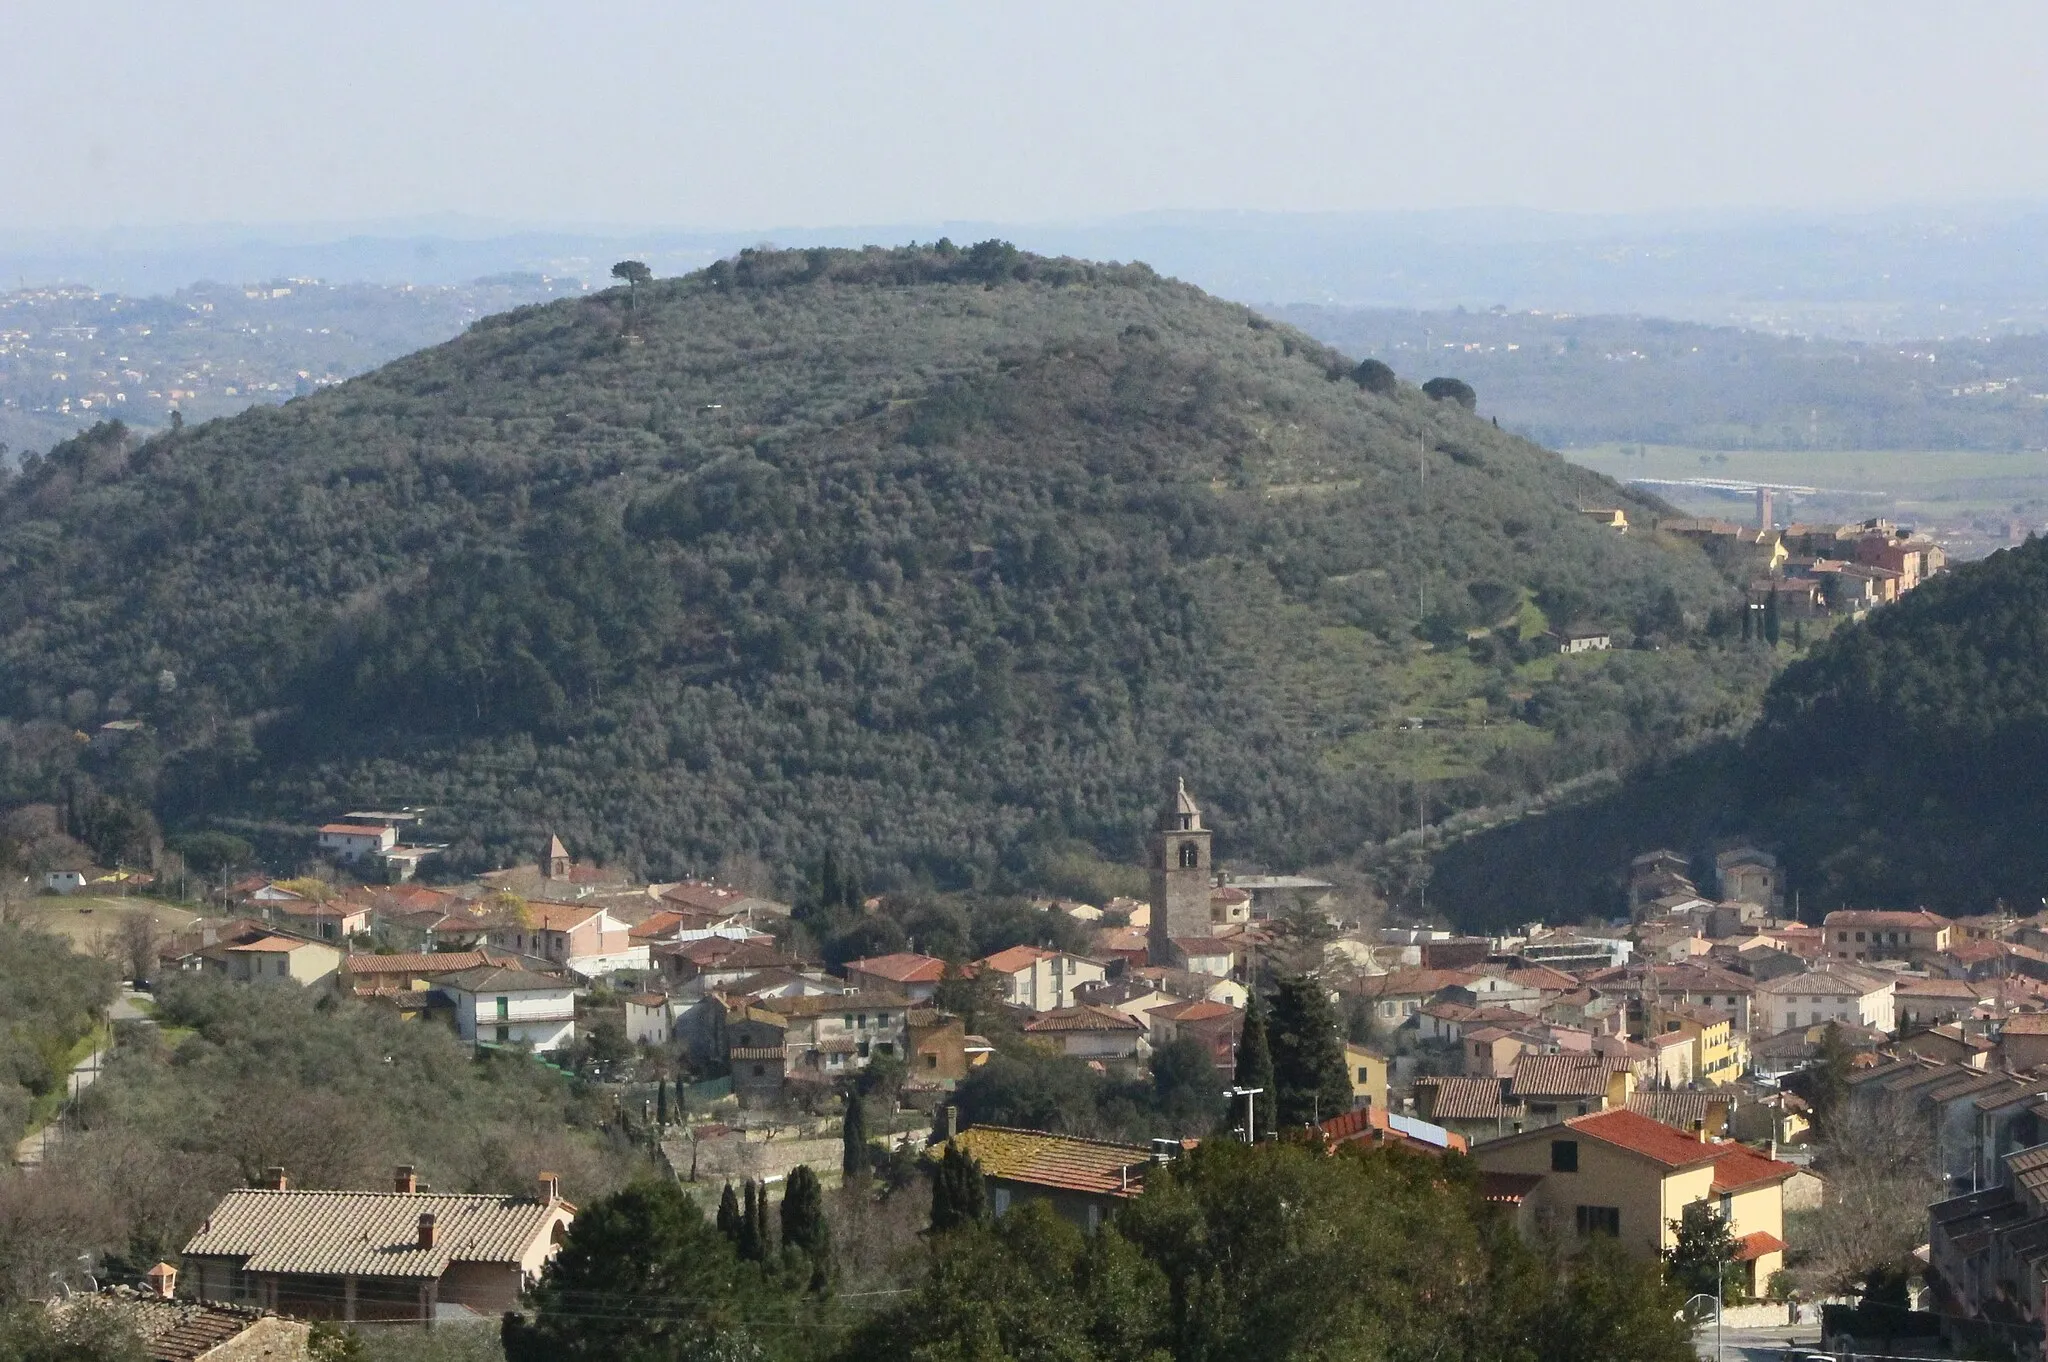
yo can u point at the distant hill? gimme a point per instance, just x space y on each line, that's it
941 557
1569 380
1903 763
71 357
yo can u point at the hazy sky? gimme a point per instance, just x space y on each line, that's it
787 114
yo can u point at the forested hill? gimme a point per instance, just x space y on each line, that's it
936 555
1903 763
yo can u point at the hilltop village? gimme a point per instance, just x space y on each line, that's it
1602 1079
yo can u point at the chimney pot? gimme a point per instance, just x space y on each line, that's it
163 1281
406 1179
274 1179
550 1187
426 1240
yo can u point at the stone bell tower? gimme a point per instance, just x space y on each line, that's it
1180 875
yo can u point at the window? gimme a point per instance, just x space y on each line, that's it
1364 1074
1190 858
1841 936
1564 1156
504 1008
931 1061
504 1034
1859 936
863 1020
849 1021
1599 1220
884 1047
760 1070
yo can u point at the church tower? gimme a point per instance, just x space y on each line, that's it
1180 875
554 862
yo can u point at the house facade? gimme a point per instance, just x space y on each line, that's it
1867 934
1041 980
1830 993
577 936
499 1006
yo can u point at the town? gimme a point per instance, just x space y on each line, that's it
1709 1055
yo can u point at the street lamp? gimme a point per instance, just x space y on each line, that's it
1251 1124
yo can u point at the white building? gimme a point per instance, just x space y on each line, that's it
63 881
1041 980
1830 993
498 1006
357 841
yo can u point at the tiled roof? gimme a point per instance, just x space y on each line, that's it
658 925
755 1053
1467 1099
370 1234
2027 1024
272 943
1641 1135
1418 982
1561 1076
181 1330
419 962
1083 1018
1738 1166
498 979
1194 1012
1061 1161
1679 1110
902 968
1751 1247
1015 958
560 917
1939 988
354 829
1871 917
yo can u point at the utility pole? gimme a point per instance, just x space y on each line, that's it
1251 1104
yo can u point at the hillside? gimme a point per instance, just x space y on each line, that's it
1903 763
939 556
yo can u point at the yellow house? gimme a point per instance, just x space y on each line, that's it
1368 1074
1719 1055
1623 1174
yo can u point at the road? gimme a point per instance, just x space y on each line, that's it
1758 1344
129 1006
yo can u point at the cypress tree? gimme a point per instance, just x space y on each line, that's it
765 1225
661 1101
1255 1065
959 1196
853 1138
729 1214
804 1226
1771 619
751 1245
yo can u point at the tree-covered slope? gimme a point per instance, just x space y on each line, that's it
1902 763
934 555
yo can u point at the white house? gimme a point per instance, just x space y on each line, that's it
498 1006
356 841
1831 993
1041 980
63 881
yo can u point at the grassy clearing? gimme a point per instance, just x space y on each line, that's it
84 920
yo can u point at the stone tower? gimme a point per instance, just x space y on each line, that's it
1180 875
554 863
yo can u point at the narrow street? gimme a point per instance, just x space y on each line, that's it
30 1152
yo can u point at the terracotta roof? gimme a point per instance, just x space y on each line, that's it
1750 1247
1735 1166
1418 982
355 829
272 943
560 917
370 1234
657 925
1015 958
1194 1011
1083 1018
181 1330
2027 1024
1939 988
902 968
421 962
1061 1161
1739 1166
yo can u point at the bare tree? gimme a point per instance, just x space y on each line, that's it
1881 1168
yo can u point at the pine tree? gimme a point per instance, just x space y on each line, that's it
1255 1065
959 1196
729 1214
854 1160
1308 1058
804 1226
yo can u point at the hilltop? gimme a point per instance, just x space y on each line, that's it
944 557
1903 763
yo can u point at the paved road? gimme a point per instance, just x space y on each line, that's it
1758 1345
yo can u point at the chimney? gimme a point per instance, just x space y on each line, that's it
1699 1130
163 1281
426 1240
406 1180
950 1121
274 1179
550 1187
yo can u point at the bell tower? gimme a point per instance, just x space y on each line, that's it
1181 875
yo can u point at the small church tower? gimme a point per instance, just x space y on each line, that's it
554 864
1181 872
